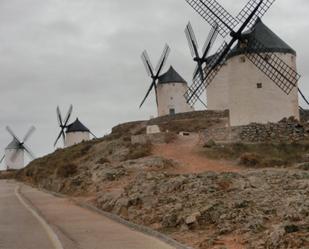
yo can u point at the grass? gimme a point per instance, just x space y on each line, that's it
137 151
267 154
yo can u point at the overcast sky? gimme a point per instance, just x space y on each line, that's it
87 53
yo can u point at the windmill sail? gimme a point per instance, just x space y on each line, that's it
63 123
154 74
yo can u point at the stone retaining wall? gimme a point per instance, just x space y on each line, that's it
287 130
158 138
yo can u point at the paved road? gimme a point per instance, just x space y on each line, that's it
42 221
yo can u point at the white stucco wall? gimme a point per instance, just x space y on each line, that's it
14 162
218 91
152 129
171 96
3 166
248 104
73 138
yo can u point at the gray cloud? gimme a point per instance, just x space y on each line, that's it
87 52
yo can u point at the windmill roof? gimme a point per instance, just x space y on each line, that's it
77 126
171 76
267 37
13 145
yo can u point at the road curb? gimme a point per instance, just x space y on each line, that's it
139 228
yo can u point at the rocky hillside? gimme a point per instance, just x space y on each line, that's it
256 208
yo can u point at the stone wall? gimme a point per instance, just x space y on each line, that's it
287 130
158 138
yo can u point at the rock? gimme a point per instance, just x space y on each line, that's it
170 220
191 219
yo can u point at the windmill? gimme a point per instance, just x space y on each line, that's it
270 64
73 133
154 73
194 48
14 152
169 87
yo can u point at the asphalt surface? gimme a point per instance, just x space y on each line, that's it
31 219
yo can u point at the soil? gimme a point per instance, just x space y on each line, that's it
186 151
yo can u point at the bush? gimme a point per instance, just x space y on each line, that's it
275 162
137 151
66 170
170 137
250 159
209 144
103 160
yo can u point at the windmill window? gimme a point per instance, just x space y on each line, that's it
242 59
259 85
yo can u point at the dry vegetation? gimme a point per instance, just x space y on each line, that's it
260 155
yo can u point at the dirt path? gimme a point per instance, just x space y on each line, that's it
185 151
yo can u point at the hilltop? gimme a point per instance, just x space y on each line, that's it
201 193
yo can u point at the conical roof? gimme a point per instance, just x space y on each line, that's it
14 145
171 76
260 32
77 126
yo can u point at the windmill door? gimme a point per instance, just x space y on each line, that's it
172 111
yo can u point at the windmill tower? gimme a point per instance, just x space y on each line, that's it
15 151
73 133
170 90
76 133
169 87
259 78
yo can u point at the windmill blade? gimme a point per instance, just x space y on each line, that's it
214 13
59 136
162 60
210 41
28 134
93 135
284 76
249 7
211 70
59 117
12 134
67 117
147 63
153 84
28 151
2 159
192 40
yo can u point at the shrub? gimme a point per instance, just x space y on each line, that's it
102 160
209 144
66 170
170 137
275 162
250 159
137 151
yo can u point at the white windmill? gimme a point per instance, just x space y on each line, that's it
15 151
73 133
169 87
